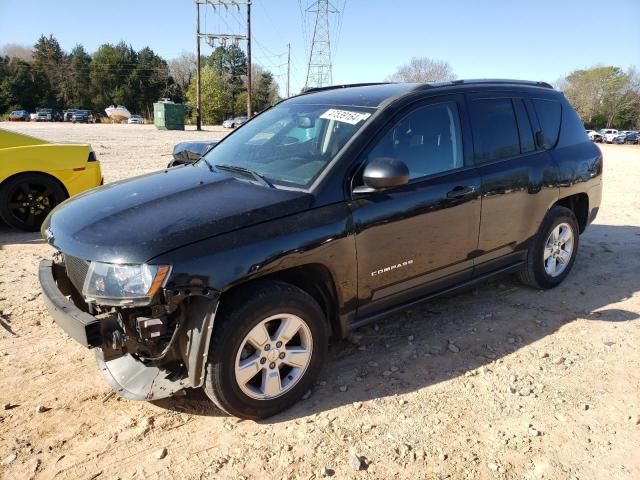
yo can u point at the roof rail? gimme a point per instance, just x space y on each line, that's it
346 85
502 81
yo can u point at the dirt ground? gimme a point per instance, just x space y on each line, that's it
499 382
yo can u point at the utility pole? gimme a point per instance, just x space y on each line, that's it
319 72
288 69
198 90
249 86
222 39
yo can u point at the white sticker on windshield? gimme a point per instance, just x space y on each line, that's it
345 116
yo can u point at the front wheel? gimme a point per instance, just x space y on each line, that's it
267 350
553 250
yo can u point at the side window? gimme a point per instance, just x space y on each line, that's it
524 126
572 129
549 113
495 131
427 140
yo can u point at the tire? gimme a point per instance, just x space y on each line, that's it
45 193
535 273
230 345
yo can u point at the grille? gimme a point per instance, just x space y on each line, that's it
76 271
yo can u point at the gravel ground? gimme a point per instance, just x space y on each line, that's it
498 382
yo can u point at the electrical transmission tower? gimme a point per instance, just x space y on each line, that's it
319 71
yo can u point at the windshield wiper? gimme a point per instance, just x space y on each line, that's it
234 168
208 164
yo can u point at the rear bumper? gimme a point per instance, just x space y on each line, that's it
595 198
56 290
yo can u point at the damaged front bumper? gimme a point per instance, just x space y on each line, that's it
130 374
79 325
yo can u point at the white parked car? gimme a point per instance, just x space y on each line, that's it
33 116
234 122
136 119
609 134
595 136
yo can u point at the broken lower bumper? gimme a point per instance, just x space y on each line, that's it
129 375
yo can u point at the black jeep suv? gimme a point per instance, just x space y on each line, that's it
317 216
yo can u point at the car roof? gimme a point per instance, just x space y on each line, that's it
375 94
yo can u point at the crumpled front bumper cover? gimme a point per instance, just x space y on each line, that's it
56 290
127 375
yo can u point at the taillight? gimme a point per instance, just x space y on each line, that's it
92 157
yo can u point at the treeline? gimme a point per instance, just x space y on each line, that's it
113 74
604 97
47 76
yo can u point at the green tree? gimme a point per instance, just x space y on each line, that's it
230 62
48 66
111 67
149 81
264 94
265 90
214 96
601 95
77 84
17 85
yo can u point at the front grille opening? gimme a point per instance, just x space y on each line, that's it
77 270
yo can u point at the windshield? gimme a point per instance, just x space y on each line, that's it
290 144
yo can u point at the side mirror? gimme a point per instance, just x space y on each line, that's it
190 152
540 139
383 172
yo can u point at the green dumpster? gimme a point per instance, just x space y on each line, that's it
168 116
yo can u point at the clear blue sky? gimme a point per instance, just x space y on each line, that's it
527 39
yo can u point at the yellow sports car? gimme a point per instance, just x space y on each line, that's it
36 175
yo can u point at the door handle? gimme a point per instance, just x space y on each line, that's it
460 192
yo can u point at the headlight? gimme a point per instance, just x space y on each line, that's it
113 284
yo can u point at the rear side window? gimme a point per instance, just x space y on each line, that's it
549 115
572 130
524 126
495 131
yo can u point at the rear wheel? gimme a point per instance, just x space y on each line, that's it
266 352
27 199
553 250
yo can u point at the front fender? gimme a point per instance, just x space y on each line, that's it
318 236
211 267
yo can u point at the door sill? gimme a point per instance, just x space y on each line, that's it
360 322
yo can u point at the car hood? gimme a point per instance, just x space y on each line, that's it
134 220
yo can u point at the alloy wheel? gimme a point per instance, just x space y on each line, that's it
30 203
273 356
558 249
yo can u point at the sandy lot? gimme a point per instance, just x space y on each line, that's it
538 385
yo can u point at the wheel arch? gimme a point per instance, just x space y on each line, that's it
578 203
313 278
37 172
